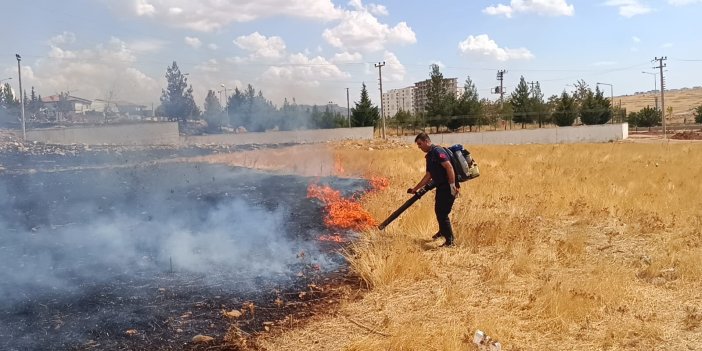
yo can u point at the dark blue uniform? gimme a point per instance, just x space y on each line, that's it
444 200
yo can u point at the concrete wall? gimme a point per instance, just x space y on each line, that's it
561 135
161 133
166 133
309 136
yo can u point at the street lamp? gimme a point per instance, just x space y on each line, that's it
611 98
655 85
226 97
19 73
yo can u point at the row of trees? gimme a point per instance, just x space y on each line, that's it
525 105
249 108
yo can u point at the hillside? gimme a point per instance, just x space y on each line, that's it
683 102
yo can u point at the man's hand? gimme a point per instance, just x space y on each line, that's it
411 191
454 190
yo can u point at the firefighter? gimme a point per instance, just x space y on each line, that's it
440 170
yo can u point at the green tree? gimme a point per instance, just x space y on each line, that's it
468 108
213 112
402 119
440 100
647 117
698 114
539 108
326 119
565 110
364 114
177 99
595 108
520 100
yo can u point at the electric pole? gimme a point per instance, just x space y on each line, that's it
660 66
348 107
380 65
501 78
19 73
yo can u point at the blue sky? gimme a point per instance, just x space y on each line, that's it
312 50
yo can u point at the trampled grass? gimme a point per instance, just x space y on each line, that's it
560 247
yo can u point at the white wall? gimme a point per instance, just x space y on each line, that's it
157 133
307 136
166 133
559 135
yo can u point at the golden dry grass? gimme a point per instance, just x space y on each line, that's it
560 247
682 101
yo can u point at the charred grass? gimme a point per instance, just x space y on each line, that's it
560 247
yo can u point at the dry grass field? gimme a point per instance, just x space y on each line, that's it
560 247
682 101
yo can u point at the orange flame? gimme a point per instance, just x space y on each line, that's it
379 183
344 214
333 238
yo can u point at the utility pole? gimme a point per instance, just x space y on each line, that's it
348 107
501 78
380 65
19 73
660 66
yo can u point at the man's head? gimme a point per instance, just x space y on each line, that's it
423 141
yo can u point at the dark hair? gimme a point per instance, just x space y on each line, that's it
422 136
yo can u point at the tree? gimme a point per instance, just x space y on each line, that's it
565 110
327 119
539 108
468 108
698 114
364 114
647 117
595 108
213 112
521 101
177 99
402 118
439 100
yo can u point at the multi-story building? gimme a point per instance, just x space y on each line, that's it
396 100
421 89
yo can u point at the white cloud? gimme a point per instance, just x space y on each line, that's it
361 31
146 45
211 65
629 8
93 72
483 46
667 45
378 10
193 42
394 70
684 2
539 7
213 46
210 15
347 57
63 38
261 46
636 39
305 78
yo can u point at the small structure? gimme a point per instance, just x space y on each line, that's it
64 106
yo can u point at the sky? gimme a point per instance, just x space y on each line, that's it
313 50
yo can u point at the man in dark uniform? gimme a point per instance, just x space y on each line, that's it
440 170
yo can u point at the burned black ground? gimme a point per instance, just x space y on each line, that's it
147 301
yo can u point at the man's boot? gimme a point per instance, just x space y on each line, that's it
436 236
